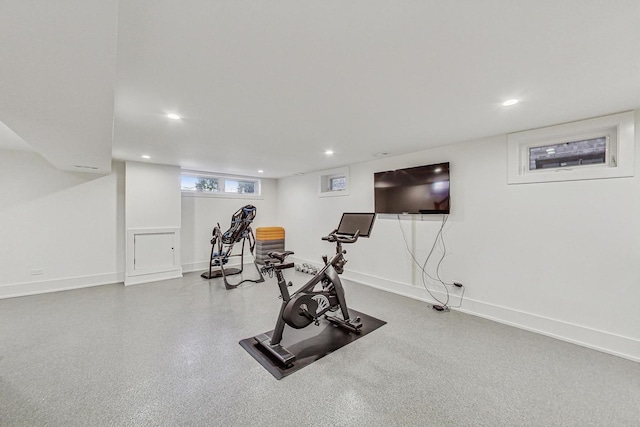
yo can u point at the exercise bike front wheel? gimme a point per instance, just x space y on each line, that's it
300 311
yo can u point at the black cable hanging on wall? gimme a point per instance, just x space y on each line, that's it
442 305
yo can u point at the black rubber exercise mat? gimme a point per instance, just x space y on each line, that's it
309 344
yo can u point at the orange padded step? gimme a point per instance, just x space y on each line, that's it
269 233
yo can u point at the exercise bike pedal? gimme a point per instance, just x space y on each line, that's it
352 325
278 351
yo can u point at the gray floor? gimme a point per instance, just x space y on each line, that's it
167 353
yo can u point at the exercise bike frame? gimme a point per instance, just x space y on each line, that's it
332 290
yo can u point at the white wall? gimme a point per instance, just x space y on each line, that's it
69 225
201 213
153 195
152 214
72 225
558 258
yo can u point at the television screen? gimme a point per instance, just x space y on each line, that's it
417 190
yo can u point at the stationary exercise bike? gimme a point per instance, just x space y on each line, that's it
322 294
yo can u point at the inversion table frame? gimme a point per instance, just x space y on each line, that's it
222 247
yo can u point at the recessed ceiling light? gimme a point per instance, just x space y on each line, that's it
510 102
145 156
329 152
260 171
173 116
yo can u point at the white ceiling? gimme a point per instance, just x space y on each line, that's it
272 85
57 78
10 141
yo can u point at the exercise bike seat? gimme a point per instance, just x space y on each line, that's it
280 256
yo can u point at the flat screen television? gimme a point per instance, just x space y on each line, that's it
417 190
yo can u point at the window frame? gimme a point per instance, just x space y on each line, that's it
222 179
619 156
326 180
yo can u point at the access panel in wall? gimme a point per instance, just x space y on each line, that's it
152 254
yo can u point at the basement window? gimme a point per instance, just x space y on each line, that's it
584 152
334 182
207 184
589 149
338 183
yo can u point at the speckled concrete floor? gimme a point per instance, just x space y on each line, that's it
167 353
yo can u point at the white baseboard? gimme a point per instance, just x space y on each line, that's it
595 339
625 347
56 285
606 342
152 277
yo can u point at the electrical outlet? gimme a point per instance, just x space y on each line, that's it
37 272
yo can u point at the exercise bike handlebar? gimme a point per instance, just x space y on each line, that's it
334 237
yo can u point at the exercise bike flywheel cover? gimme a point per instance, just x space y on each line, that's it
293 314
